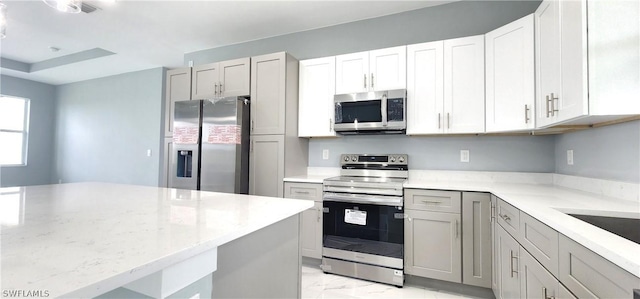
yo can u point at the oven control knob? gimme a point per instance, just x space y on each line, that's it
401 159
392 160
346 158
353 158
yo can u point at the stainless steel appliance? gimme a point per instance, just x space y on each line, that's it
210 149
380 112
363 218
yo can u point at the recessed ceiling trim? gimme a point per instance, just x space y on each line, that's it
15 65
69 59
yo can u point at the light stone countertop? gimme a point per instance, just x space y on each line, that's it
536 195
84 239
310 178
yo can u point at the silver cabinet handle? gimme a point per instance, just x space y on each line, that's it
301 192
512 258
544 294
215 92
457 227
251 126
431 201
439 121
553 105
493 213
505 217
319 212
365 80
220 88
371 80
547 101
448 121
526 114
251 147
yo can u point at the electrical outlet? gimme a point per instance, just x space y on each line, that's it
149 153
325 154
464 156
190 63
569 157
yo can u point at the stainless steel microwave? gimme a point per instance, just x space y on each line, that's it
380 112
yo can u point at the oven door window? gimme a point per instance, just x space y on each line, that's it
360 112
365 228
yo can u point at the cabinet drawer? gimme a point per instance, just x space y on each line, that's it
303 191
432 200
588 275
541 241
509 218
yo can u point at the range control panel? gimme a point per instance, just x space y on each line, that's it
364 159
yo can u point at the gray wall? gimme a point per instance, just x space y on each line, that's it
486 153
611 152
105 127
41 132
452 20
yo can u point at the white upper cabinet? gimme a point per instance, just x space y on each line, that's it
586 61
464 85
382 69
510 82
178 88
235 78
445 86
221 79
317 88
388 68
425 89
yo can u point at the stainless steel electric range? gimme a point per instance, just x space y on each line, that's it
363 223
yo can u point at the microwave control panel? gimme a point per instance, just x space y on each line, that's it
395 109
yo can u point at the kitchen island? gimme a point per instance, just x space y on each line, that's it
83 240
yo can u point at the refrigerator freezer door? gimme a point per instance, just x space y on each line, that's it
225 155
184 171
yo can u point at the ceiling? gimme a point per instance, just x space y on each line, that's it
128 36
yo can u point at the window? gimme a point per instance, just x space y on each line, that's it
14 130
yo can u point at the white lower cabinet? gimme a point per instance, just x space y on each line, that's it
507 255
311 221
535 280
588 275
433 245
476 239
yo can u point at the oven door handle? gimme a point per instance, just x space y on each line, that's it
362 189
364 199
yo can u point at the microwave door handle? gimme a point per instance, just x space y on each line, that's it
384 110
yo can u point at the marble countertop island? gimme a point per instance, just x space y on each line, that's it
84 239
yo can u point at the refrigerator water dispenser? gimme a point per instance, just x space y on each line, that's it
185 159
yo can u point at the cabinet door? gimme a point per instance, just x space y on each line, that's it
352 73
178 89
535 280
464 85
508 253
425 98
432 200
588 275
206 82
317 88
540 240
510 82
388 68
476 237
311 232
234 77
433 245
573 101
268 94
266 165
547 22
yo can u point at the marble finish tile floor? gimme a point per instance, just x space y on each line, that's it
316 284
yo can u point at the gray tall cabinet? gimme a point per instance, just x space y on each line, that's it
275 151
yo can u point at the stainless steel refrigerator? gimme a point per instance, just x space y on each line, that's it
210 149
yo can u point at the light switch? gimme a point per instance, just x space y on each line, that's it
325 154
569 157
149 153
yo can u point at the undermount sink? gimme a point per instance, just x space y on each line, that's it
628 228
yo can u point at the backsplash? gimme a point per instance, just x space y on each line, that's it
486 153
